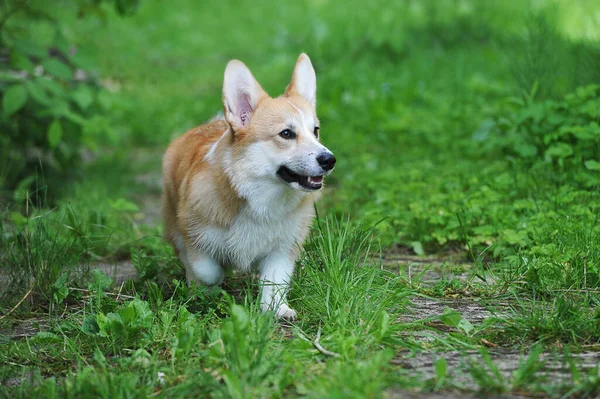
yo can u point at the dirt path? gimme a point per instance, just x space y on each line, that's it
150 204
553 367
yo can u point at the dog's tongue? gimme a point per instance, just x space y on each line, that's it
315 179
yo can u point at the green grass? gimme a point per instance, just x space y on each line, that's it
466 131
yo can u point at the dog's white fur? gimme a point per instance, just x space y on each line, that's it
224 203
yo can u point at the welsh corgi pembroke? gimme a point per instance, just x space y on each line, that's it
240 192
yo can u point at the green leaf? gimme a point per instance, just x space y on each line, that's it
82 60
19 61
240 317
72 116
122 205
58 108
185 339
525 150
99 356
514 237
592 164
23 190
127 314
84 97
45 337
106 100
100 280
103 324
31 48
59 289
466 326
57 68
184 317
450 317
90 325
417 246
560 150
385 324
441 368
60 295
15 98
54 133
52 86
582 132
37 92
143 314
61 281
17 218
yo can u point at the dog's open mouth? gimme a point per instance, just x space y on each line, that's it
308 182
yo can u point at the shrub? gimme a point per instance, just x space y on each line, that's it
53 108
564 133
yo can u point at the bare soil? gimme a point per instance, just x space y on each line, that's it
554 366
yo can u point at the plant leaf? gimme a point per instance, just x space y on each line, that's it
37 92
19 61
240 317
54 133
45 337
466 326
592 164
100 280
560 150
417 246
30 48
15 98
450 317
58 69
84 97
90 325
441 368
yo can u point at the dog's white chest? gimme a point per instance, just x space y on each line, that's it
248 239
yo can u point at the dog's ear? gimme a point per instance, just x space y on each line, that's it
241 94
304 81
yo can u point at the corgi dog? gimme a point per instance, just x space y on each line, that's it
240 192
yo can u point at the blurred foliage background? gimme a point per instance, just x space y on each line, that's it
466 124
81 76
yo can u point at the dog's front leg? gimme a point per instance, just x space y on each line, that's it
201 267
275 274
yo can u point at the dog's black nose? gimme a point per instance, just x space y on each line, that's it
326 160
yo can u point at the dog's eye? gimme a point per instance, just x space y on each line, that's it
317 131
288 134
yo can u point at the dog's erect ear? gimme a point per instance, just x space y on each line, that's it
304 81
241 94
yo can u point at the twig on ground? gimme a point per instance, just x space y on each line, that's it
574 290
585 271
120 289
118 295
321 349
64 311
220 343
18 303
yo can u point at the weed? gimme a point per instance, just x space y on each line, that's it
339 290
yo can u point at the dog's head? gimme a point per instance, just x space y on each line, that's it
276 138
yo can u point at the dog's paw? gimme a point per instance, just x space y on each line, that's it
285 312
